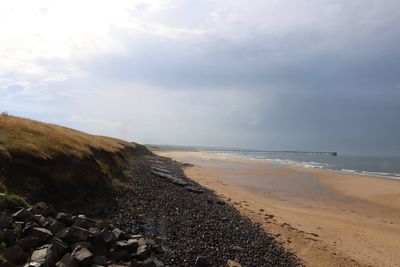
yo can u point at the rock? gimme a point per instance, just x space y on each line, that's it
130 245
119 234
55 251
33 264
76 234
94 232
82 222
27 228
56 227
84 244
22 215
67 261
119 254
108 237
5 221
143 252
43 234
39 255
4 264
201 262
232 263
43 209
40 220
100 260
15 255
152 263
28 242
83 256
65 218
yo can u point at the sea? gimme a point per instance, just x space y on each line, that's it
382 166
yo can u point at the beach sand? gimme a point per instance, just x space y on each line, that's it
326 218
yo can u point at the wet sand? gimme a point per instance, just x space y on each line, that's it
327 218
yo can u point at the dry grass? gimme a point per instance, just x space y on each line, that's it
29 137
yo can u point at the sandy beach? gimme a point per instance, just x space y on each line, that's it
326 218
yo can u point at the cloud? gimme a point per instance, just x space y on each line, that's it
274 74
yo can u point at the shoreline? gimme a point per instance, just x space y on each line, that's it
327 218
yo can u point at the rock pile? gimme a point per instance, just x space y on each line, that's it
40 236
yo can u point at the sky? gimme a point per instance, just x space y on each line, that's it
320 75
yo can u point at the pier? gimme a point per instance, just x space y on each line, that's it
263 152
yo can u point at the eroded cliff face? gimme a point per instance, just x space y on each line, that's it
68 182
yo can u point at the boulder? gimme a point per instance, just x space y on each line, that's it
83 256
39 255
143 252
56 227
119 234
130 245
40 220
82 222
22 215
119 254
27 228
43 209
232 263
202 262
65 218
43 234
67 261
55 251
84 244
108 237
76 234
15 255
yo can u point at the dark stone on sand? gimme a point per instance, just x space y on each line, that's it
202 262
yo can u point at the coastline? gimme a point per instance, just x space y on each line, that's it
326 218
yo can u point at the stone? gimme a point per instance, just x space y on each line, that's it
119 234
39 255
100 260
28 242
232 263
22 215
152 263
15 255
119 254
56 227
65 218
108 237
94 232
143 252
5 221
43 234
76 234
40 220
82 222
43 209
55 251
202 262
130 245
84 244
67 261
83 256
27 228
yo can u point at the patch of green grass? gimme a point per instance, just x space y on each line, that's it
12 201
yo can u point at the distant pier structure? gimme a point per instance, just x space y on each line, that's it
263 152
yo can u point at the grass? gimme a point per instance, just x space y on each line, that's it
46 162
29 137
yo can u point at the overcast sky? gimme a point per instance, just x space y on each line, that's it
269 74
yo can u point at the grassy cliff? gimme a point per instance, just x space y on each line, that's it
69 168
